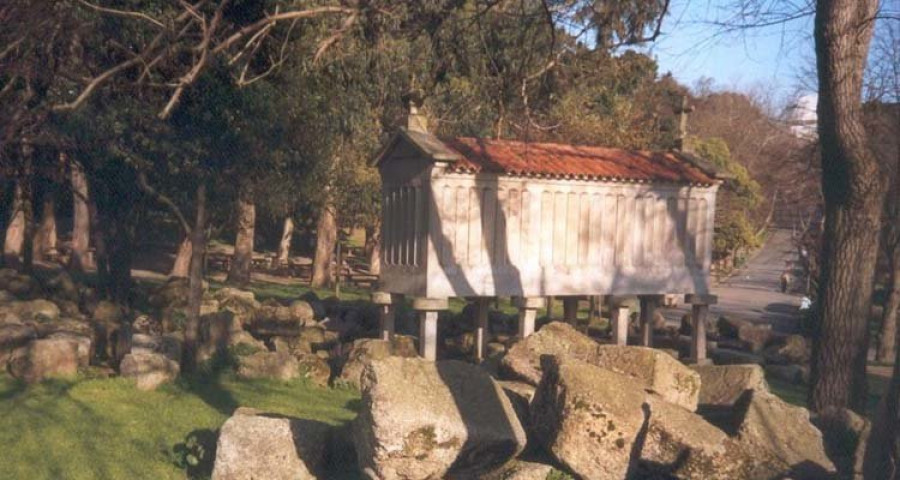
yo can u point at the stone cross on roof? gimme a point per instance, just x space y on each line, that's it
683 112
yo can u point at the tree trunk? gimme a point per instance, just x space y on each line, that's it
887 346
326 240
195 297
45 239
15 231
242 260
373 249
80 260
284 246
101 253
28 206
120 241
853 184
181 267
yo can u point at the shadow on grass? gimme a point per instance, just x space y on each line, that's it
207 383
196 455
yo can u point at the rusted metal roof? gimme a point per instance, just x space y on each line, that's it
518 158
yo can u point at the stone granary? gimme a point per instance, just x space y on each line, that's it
479 218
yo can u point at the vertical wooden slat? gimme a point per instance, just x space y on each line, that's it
490 224
530 209
661 234
595 228
513 226
682 229
610 227
573 229
559 227
692 227
672 246
421 240
386 228
476 241
408 203
638 237
584 227
710 230
621 257
462 228
702 230
546 228
447 214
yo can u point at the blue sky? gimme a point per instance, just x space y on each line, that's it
773 57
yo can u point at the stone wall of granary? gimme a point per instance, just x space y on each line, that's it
453 234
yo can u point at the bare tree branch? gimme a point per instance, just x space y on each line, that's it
123 13
312 12
146 188
328 42
95 83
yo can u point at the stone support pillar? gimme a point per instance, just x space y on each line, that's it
618 313
699 312
528 308
570 310
386 314
649 305
481 329
427 310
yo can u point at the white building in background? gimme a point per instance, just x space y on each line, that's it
801 116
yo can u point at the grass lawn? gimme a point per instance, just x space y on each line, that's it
107 429
796 394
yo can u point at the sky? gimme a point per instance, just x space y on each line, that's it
774 57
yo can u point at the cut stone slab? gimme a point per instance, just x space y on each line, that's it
421 419
657 371
107 312
521 470
764 422
12 337
846 436
43 359
315 369
38 310
728 356
754 337
793 349
276 365
520 395
169 345
723 385
362 353
588 417
150 370
255 446
523 360
302 312
83 343
683 445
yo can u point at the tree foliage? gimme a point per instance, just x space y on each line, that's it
735 234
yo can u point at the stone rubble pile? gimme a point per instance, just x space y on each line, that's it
562 405
554 404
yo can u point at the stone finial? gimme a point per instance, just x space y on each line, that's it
416 120
682 111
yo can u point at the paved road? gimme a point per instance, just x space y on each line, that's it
754 292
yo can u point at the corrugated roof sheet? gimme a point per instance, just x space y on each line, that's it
572 161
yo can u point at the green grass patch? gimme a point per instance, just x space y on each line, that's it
797 394
293 291
107 429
